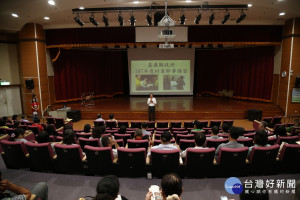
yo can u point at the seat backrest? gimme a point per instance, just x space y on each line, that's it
256 124
34 129
247 142
125 137
151 124
132 162
83 135
99 160
264 155
112 132
15 154
180 136
229 122
136 124
91 142
276 120
249 135
188 124
164 162
268 120
214 143
162 124
290 156
120 142
175 124
40 156
2 131
215 123
69 158
287 139
184 144
138 144
98 123
50 120
199 162
204 124
123 123
276 126
295 131
111 124
59 122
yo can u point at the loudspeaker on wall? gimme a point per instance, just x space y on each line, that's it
29 84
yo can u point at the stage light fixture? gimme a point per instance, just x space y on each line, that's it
78 21
242 17
93 21
149 19
132 20
120 19
182 19
198 18
211 18
226 17
105 20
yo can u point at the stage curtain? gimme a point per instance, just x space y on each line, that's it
246 71
102 72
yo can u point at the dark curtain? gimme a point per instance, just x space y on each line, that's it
246 71
102 72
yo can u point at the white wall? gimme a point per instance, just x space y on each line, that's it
9 68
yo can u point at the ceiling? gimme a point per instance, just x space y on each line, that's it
263 12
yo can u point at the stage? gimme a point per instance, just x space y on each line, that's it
172 108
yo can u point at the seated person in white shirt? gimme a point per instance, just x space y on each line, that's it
109 142
99 118
144 129
165 143
260 140
200 139
214 133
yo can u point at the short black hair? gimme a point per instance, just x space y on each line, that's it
171 184
2 122
261 138
36 120
280 131
17 133
105 141
68 137
144 125
242 131
96 132
99 115
166 136
50 129
111 116
200 139
138 132
14 117
215 130
199 125
87 128
108 188
43 137
225 127
122 130
234 132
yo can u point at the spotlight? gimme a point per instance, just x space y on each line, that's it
242 17
182 19
132 20
105 20
198 18
93 21
78 21
211 18
120 19
226 17
149 19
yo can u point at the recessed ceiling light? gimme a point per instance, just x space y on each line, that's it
14 15
81 8
136 2
188 1
46 18
249 5
51 2
282 13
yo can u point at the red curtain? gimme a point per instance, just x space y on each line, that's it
102 72
246 71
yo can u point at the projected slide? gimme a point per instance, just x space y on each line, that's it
160 76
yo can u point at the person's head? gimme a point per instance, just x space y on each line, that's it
33 96
2 122
96 133
16 124
68 137
252 194
33 100
234 133
50 129
5 118
171 184
151 95
242 131
214 130
102 129
122 130
18 134
200 139
111 116
261 138
68 126
43 137
263 125
36 120
195 123
99 115
225 127
280 131
106 141
296 122
23 116
166 137
87 128
14 117
138 133
144 125
108 188
198 125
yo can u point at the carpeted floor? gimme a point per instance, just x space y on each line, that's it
72 187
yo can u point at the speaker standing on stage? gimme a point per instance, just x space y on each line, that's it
151 110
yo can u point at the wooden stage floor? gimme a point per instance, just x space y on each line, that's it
173 108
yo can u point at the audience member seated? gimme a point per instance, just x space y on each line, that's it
87 128
296 124
263 126
165 143
43 137
122 130
280 132
233 135
18 135
10 191
23 119
36 122
171 188
242 132
97 133
112 118
109 142
144 129
68 126
200 139
99 118
14 118
3 123
197 126
225 129
5 118
260 140
68 137
50 130
214 133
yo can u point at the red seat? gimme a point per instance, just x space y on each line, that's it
112 132
151 124
59 122
215 123
157 142
229 122
247 142
188 124
187 137
83 135
136 124
184 144
138 144
125 137
295 131
162 129
290 158
91 142
111 124
50 120
175 125
99 123
287 139
268 120
14 154
123 123
215 142
162 124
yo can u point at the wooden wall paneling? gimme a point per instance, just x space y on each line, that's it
51 89
275 87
